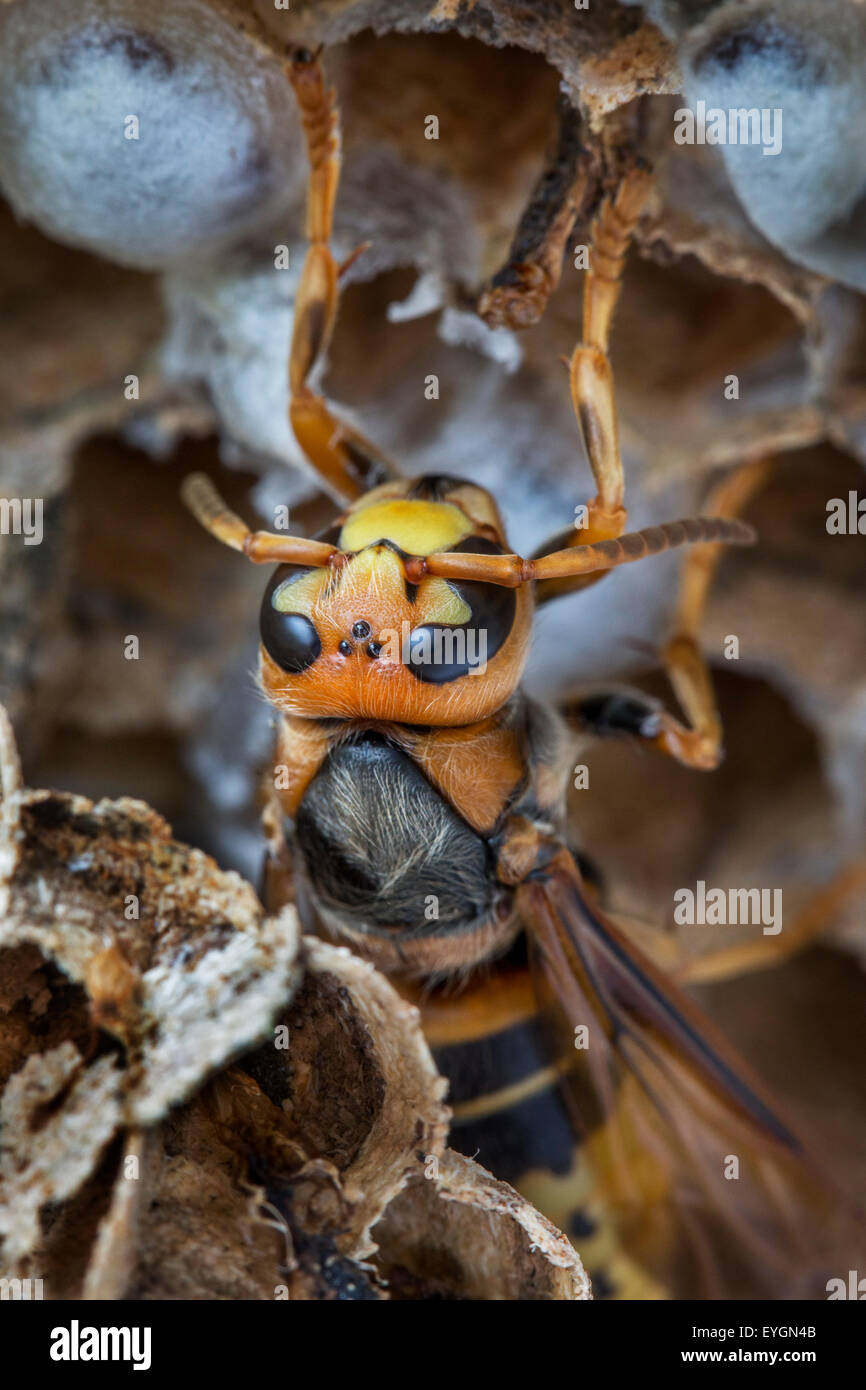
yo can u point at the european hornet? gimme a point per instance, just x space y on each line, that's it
422 813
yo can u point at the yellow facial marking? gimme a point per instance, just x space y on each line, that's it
300 595
378 572
370 577
418 528
439 603
372 573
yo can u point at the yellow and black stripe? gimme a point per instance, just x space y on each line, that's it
510 1115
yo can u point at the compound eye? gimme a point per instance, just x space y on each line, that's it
438 654
288 638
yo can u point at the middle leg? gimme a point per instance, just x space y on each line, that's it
591 380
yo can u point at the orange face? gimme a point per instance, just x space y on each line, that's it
361 642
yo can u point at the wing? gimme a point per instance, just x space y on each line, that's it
714 1194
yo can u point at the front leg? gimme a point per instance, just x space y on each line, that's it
697 740
347 463
301 748
610 713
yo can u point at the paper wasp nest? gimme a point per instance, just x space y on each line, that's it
133 1164
150 242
